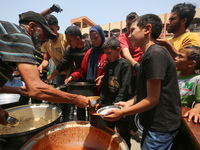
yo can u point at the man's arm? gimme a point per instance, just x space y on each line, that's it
39 90
53 75
128 56
54 7
44 63
56 72
14 90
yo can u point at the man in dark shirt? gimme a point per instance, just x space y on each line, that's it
72 60
74 53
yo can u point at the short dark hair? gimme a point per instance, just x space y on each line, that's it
52 20
152 19
73 31
194 55
112 43
185 10
131 16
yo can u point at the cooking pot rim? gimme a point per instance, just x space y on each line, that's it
82 84
69 124
37 129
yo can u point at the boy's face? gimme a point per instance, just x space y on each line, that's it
181 60
136 35
112 55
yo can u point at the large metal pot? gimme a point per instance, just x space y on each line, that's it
82 88
16 140
76 134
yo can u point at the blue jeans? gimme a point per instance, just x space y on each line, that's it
157 140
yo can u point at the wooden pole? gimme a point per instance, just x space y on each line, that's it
165 22
109 30
120 27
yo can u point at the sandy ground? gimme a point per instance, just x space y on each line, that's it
134 144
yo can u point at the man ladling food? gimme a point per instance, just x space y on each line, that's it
17 46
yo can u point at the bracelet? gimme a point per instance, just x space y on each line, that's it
72 77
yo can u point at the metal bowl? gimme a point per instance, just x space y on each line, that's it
93 100
103 111
16 140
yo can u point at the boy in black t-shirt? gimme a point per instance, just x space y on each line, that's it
116 84
158 98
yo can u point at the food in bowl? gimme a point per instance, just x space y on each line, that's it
24 125
103 111
30 117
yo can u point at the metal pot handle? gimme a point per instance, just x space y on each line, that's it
62 86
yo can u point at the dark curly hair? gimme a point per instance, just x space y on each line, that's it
131 16
185 10
194 54
152 19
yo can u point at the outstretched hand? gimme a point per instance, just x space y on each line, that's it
56 8
98 80
83 101
69 79
162 41
113 115
22 91
123 104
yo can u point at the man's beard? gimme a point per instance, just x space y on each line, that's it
174 28
37 40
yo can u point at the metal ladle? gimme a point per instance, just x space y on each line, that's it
12 121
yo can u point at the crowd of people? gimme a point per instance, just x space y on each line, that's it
141 71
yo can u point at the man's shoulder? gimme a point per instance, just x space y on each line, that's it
190 35
9 26
16 31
